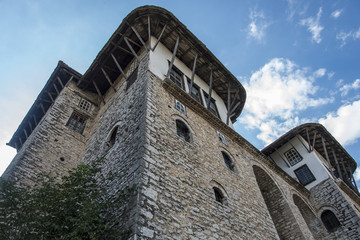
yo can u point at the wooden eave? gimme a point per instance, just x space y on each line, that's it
319 131
58 79
189 46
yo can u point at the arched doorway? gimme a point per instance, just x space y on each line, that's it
279 209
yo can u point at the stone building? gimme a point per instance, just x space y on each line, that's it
159 106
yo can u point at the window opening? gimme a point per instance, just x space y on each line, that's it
182 130
77 122
330 220
132 79
85 105
221 137
228 161
112 139
179 106
293 156
304 175
195 91
219 197
212 106
177 77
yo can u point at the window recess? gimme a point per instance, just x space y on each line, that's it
77 122
212 107
195 91
304 175
293 156
177 77
179 106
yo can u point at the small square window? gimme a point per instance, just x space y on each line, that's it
221 137
77 122
304 175
293 156
179 106
85 105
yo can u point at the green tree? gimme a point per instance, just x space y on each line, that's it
80 206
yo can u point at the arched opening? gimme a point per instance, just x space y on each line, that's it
112 138
279 209
182 130
329 220
219 196
228 161
310 218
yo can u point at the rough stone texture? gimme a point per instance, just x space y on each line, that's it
52 140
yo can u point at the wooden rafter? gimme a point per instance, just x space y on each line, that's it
173 56
337 163
98 91
140 38
193 74
210 89
228 104
131 49
59 80
149 31
327 156
158 40
108 79
56 89
118 66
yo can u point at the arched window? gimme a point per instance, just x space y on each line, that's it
228 161
112 139
182 130
329 220
219 196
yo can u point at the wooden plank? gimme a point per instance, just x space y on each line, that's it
173 56
25 133
21 143
158 40
108 79
59 80
50 96
56 89
149 32
345 171
337 163
139 37
98 91
35 120
125 50
228 104
308 139
42 108
30 125
131 49
210 90
233 108
193 74
313 144
118 65
327 156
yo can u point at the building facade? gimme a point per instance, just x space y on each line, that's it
159 107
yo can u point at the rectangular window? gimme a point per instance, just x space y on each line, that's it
85 105
293 156
212 106
195 91
177 77
304 175
131 79
76 122
179 106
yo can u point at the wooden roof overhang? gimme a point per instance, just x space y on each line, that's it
58 79
317 137
133 34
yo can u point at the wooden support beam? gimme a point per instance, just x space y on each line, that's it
173 56
35 120
158 40
193 74
228 104
210 89
139 37
345 170
45 100
297 136
118 65
56 89
21 143
50 96
108 79
233 108
25 133
313 144
327 156
337 163
131 49
149 32
125 50
308 139
98 91
16 146
42 108
30 125
59 80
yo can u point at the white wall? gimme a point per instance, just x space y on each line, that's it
159 66
312 160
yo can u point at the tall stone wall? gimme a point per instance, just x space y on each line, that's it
52 147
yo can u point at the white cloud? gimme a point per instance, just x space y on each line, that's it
276 93
357 174
313 25
338 123
257 25
320 73
347 87
335 14
344 36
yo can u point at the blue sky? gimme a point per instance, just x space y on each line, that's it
298 60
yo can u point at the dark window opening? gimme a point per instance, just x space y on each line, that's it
77 122
177 77
219 197
329 220
112 139
212 106
182 130
228 161
304 175
195 91
131 79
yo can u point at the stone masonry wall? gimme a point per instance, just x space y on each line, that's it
52 147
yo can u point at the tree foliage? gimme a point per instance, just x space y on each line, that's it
80 206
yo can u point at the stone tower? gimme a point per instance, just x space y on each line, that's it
159 106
